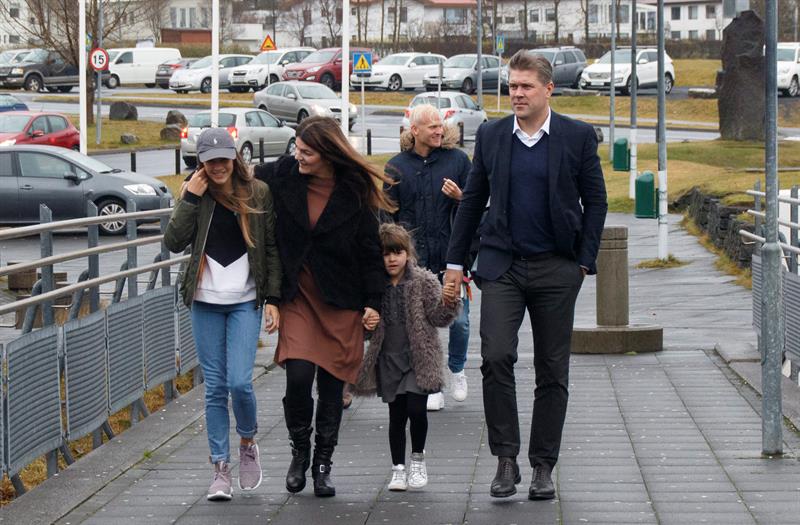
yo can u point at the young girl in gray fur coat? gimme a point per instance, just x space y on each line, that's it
404 361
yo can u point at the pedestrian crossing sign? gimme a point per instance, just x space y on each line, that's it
268 44
362 63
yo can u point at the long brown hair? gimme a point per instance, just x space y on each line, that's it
238 200
324 135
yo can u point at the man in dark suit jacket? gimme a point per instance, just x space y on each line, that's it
538 240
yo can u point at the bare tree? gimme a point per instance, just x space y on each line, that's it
383 19
155 16
297 19
524 19
585 11
556 4
328 10
398 10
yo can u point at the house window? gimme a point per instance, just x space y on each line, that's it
13 11
675 13
593 11
204 12
339 15
454 15
13 39
353 11
183 17
550 15
711 11
509 20
711 34
192 17
692 12
624 14
173 17
675 35
307 17
533 16
693 35
403 15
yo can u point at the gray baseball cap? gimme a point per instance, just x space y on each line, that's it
215 143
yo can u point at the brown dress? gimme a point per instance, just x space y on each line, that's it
310 329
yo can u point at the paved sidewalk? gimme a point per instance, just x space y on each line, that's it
672 437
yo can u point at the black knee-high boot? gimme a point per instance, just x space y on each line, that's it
329 417
298 421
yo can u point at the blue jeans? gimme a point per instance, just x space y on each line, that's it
459 340
226 336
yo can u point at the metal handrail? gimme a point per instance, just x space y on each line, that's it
782 222
21 267
753 236
91 283
787 200
26 231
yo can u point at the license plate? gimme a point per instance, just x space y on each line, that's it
597 83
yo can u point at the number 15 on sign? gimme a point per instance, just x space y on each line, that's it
98 59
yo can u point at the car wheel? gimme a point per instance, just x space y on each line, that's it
668 83
205 85
466 87
582 84
247 153
273 79
76 147
164 86
302 116
351 124
149 86
794 88
112 82
182 91
291 147
33 83
627 89
395 83
65 89
328 80
577 83
191 162
111 207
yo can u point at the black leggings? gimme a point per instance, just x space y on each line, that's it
407 407
300 379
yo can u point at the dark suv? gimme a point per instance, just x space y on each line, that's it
567 61
41 69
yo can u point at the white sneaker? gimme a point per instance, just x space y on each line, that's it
435 401
418 477
458 386
398 482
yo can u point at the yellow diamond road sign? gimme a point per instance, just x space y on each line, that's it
363 62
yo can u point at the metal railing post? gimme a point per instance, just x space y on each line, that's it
261 150
369 142
757 208
47 285
93 235
133 160
177 160
793 238
131 226
165 254
461 134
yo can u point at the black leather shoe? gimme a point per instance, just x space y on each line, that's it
503 484
542 483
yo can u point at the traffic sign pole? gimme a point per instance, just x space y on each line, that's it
268 45
98 121
362 67
500 47
363 116
82 75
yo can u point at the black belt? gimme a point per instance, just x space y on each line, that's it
533 256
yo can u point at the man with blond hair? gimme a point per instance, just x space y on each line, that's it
430 173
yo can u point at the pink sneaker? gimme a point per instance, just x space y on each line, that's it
249 467
220 489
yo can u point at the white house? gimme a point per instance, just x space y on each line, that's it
9 33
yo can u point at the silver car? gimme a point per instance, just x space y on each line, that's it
198 75
247 126
295 100
454 107
461 72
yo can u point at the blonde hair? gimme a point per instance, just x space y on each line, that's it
422 114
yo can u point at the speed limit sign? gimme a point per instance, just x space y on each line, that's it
98 59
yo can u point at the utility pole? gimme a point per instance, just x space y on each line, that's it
346 67
99 77
480 46
82 72
661 131
612 82
214 63
634 84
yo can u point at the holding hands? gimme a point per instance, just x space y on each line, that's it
371 319
451 285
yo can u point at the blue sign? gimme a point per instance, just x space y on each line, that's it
500 44
362 63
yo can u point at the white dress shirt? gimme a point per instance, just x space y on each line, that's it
531 140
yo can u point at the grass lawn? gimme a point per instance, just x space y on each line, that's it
696 72
111 130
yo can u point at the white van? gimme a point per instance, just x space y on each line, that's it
137 65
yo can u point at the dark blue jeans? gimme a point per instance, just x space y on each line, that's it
459 340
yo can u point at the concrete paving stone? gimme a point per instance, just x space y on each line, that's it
697 497
129 521
775 497
597 507
775 519
700 507
682 518
120 510
608 517
654 487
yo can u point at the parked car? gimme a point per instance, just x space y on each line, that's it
400 71
13 56
568 63
598 75
165 70
247 126
45 128
40 69
323 66
254 74
137 65
65 180
789 68
11 103
461 72
454 107
293 101
198 75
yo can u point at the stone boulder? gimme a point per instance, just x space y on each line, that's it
740 83
599 132
176 117
128 138
123 111
171 132
569 92
702 93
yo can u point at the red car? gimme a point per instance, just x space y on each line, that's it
41 128
323 66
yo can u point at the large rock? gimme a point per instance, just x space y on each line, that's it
171 132
123 111
128 138
176 117
702 93
740 83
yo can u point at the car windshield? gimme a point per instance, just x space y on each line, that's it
37 55
315 91
7 100
394 60
202 63
88 162
461 61
547 54
13 123
203 120
320 57
270 57
443 102
6 56
622 56
112 55
785 55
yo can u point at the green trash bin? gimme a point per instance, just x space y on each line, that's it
622 155
646 202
